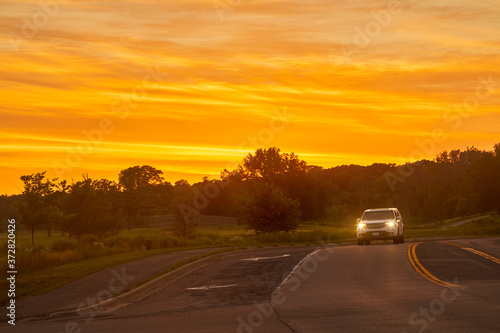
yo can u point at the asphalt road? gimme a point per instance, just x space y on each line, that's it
113 281
436 286
457 224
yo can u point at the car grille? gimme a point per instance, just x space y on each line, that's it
380 233
375 225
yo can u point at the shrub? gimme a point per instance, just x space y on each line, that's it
137 243
186 221
38 248
91 240
269 210
62 245
236 240
29 262
117 242
88 251
166 243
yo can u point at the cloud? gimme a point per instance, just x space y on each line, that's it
222 79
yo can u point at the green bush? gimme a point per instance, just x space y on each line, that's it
38 248
169 241
62 245
166 243
269 210
88 239
117 242
236 240
89 251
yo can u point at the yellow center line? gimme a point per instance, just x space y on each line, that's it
422 271
482 254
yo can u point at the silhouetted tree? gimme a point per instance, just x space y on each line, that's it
93 207
271 165
269 210
181 182
455 183
482 181
186 218
186 215
142 187
9 209
34 207
137 177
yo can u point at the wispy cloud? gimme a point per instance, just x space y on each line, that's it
225 78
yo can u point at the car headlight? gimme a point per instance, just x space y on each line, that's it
361 225
389 224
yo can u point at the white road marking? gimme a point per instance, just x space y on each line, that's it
265 258
294 270
211 287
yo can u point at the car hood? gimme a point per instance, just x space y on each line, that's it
376 221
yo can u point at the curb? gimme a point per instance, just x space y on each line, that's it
139 292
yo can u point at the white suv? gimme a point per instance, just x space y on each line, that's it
381 223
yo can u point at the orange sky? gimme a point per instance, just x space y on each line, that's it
190 87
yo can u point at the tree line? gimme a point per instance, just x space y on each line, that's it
269 191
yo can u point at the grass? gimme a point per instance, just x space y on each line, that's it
23 238
458 219
44 280
57 260
490 221
487 226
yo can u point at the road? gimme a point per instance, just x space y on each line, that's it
459 223
438 286
126 275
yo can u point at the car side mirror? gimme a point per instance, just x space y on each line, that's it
358 220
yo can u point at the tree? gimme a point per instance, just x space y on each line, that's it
265 164
138 177
93 208
56 199
186 216
270 165
139 184
34 208
181 182
269 210
482 181
186 219
9 209
294 176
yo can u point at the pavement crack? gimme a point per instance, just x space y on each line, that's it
284 323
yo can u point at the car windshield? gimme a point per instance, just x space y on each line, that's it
378 215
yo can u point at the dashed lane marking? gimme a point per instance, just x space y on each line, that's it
204 288
265 258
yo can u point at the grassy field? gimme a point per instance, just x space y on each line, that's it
57 260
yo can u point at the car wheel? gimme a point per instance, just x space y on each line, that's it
360 241
367 242
395 239
402 238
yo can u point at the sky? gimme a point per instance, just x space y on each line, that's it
192 86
